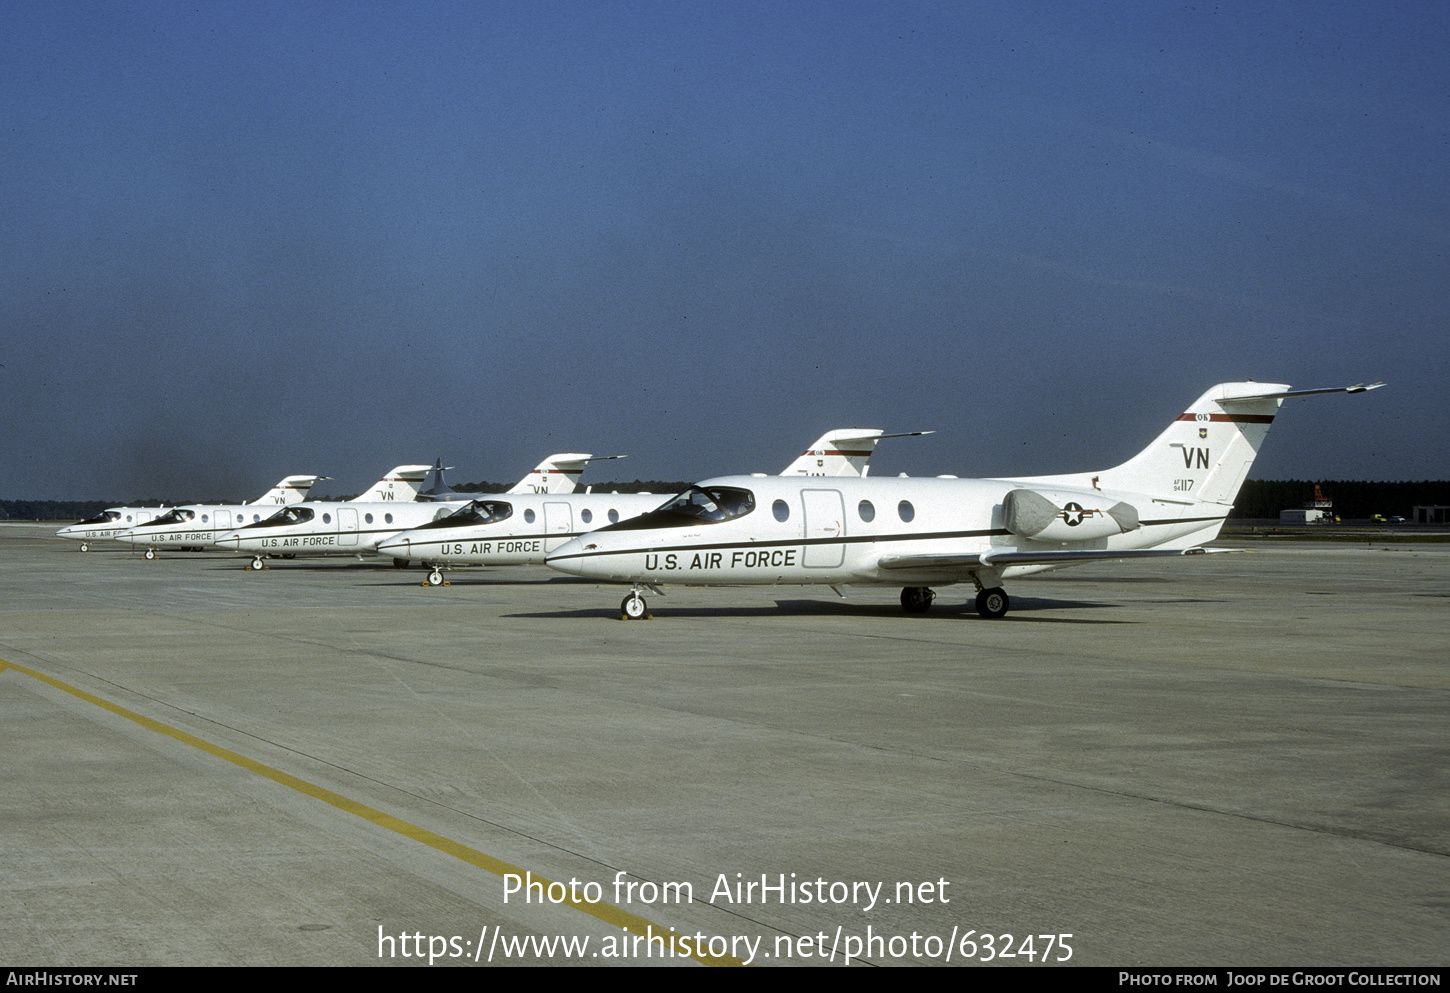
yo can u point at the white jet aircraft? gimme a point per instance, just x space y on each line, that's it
918 533
357 526
107 524
495 531
112 522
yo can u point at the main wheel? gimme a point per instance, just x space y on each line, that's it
633 607
150 553
993 603
917 599
401 563
435 578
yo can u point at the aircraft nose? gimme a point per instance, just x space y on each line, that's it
566 558
230 540
397 547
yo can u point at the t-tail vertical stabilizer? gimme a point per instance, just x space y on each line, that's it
559 473
293 489
842 452
1201 460
401 485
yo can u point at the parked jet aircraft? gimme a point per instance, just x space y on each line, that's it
356 527
919 533
522 531
195 526
107 524
112 521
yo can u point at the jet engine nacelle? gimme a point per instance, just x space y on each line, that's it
1030 514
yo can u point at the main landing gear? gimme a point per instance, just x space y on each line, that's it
993 603
917 599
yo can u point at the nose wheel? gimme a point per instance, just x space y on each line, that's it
993 603
257 564
85 547
435 578
150 554
633 607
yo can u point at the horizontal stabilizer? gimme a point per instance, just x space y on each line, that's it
1284 394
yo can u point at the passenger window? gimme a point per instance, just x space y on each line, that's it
614 517
368 518
203 518
388 518
781 509
906 510
867 512
586 516
326 518
529 516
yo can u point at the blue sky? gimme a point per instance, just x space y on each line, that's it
245 240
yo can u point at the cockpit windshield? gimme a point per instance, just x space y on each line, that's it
696 505
284 517
104 517
178 516
474 513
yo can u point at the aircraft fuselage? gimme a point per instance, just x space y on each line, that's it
321 528
515 528
849 531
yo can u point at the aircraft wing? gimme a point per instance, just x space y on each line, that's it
953 560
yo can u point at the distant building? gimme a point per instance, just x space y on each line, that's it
1431 514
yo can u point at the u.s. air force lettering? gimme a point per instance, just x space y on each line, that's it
765 558
533 546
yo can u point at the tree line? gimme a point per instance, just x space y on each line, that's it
1352 498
